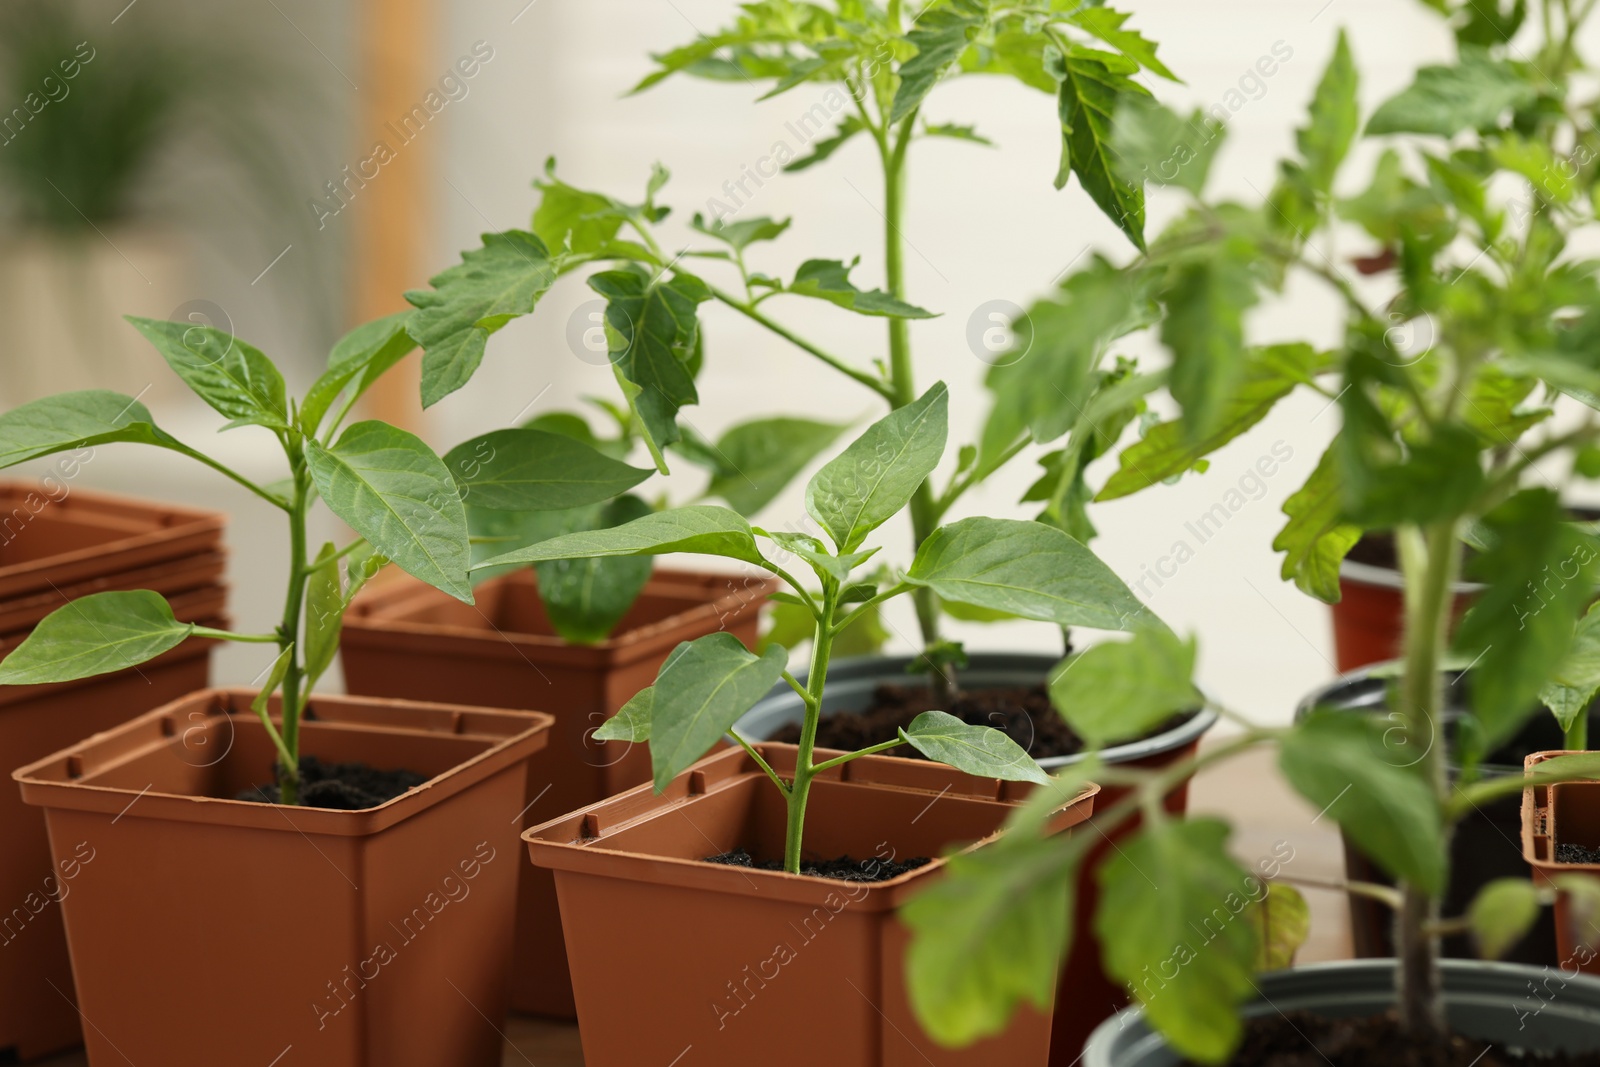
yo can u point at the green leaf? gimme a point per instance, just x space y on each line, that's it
1204 327
72 421
1540 573
360 357
1340 762
393 491
870 481
1283 922
953 131
991 934
235 378
1572 688
533 470
472 300
700 693
582 222
652 327
1486 23
632 720
1502 914
325 605
823 148
1106 24
813 552
1120 691
1172 902
269 685
1168 450
1439 476
742 234
1151 143
980 750
96 634
1028 569
829 279
703 528
1316 538
941 34
586 598
1443 101
1335 116
756 460
1090 94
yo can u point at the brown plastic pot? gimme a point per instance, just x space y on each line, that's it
1564 814
211 931
679 960
1369 619
49 540
408 639
168 579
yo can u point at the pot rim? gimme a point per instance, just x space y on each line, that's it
1371 574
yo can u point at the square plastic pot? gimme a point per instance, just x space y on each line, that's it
408 639
674 958
1563 814
49 541
170 579
206 930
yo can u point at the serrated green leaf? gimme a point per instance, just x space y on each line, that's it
584 222
1152 144
1443 101
700 693
702 528
533 470
979 750
1089 96
1316 539
93 635
741 234
1335 117
1106 24
829 279
234 377
1204 328
823 148
1121 690
392 490
942 32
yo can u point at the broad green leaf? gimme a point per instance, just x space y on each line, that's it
1206 301
235 378
1283 922
1168 450
942 32
360 567
1152 144
741 234
532 470
96 634
1090 93
1438 477
360 358
1106 24
1173 903
1572 688
1540 572
72 421
1316 538
1119 691
1443 101
756 460
632 720
652 327
869 482
1028 569
1335 117
702 528
472 300
586 598
991 935
980 750
1340 762
1502 914
325 605
700 693
393 491
829 279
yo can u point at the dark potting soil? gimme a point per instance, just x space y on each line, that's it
1303 1039
1577 854
341 786
843 869
1024 713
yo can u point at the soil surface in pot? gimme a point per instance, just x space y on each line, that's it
341 786
1304 1039
1577 854
1025 714
844 869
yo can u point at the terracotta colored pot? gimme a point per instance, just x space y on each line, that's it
1564 814
1089 995
49 541
408 639
760 967
1369 619
169 579
210 931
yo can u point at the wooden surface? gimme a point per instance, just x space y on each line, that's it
1269 821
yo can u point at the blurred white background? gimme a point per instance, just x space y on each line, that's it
985 224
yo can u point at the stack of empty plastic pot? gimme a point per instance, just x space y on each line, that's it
58 543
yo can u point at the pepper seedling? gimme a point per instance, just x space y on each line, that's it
405 502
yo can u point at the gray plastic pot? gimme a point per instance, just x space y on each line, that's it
1493 1002
851 683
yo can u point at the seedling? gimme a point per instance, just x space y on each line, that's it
1027 569
1438 441
405 502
